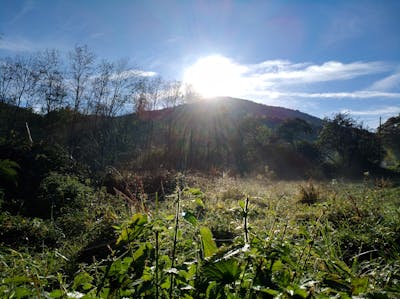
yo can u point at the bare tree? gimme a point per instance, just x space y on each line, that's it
17 80
172 95
119 86
190 94
81 61
24 80
148 92
51 88
6 77
101 87
112 88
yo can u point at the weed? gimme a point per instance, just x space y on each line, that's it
309 194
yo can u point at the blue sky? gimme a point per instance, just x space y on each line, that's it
319 57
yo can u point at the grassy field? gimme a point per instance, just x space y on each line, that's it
219 238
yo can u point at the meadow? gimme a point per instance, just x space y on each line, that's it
218 237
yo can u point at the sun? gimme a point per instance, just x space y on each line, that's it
215 75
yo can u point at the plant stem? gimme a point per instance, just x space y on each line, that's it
157 247
175 241
246 230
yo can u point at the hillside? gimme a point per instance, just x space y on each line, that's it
212 135
234 109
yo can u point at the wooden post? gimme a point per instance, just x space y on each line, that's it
29 133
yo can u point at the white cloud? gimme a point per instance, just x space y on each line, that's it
17 45
328 95
386 110
279 71
132 73
219 75
388 83
21 44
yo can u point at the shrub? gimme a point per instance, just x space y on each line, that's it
57 191
18 231
308 194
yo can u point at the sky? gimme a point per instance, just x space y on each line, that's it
320 57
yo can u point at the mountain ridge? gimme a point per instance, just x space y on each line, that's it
235 108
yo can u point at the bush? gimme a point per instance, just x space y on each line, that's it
57 191
18 232
309 194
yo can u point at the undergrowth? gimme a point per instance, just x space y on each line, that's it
220 238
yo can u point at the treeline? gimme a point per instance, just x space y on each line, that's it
48 81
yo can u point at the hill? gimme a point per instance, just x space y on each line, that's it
236 109
220 133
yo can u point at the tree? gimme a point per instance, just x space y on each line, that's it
148 92
112 87
356 147
17 80
81 61
6 77
390 132
51 88
119 92
171 94
101 88
293 129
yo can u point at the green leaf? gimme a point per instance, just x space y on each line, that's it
359 285
56 294
195 191
199 202
223 271
22 292
267 291
190 217
209 246
17 280
212 290
133 229
242 204
169 217
82 279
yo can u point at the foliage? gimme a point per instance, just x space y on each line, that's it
293 129
358 149
8 171
344 245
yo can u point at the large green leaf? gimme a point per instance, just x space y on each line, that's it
134 228
190 217
222 272
209 246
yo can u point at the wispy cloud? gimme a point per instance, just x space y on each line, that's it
26 7
17 45
285 72
359 94
132 73
391 82
274 79
385 110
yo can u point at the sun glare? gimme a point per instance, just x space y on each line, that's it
215 75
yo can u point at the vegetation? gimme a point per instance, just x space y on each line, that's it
228 199
210 241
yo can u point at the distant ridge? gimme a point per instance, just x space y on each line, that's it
235 108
